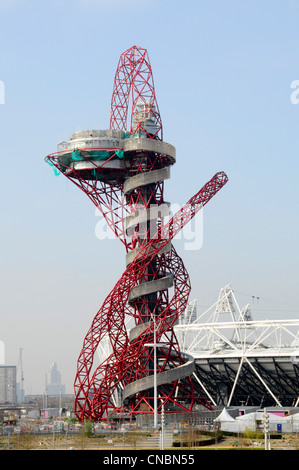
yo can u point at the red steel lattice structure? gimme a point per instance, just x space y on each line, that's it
124 177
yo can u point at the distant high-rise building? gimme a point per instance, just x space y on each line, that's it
8 377
53 381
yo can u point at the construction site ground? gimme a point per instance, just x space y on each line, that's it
140 441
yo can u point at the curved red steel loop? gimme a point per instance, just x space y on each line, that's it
134 78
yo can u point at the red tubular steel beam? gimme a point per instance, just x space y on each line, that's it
111 372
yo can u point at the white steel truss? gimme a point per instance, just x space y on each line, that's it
227 332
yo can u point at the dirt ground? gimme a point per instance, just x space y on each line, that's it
133 442
287 441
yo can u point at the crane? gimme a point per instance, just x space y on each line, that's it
20 368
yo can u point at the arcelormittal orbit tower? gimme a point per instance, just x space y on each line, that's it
122 170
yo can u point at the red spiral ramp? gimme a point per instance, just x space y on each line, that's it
127 186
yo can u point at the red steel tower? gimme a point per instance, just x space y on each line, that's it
123 172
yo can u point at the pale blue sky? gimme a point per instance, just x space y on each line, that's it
222 72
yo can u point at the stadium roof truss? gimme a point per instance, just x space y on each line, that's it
239 360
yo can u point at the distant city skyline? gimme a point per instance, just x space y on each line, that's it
53 384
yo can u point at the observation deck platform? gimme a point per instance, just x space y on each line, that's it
106 154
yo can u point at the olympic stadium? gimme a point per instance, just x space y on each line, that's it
240 361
